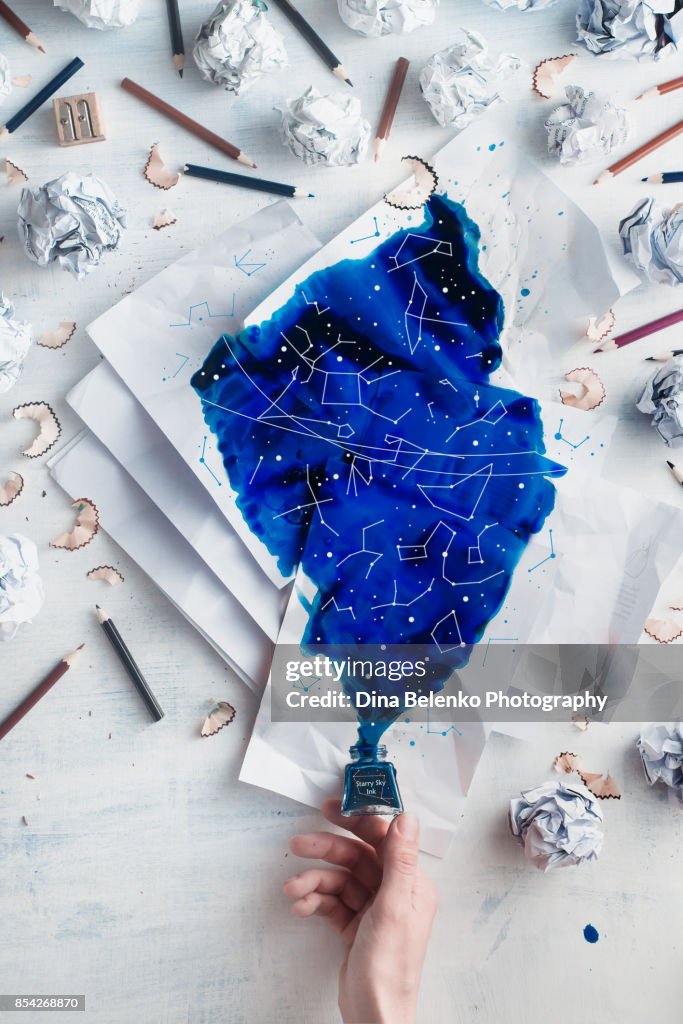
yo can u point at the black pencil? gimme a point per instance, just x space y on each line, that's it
41 96
242 181
667 178
128 662
312 37
176 31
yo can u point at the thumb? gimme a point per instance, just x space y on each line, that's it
401 858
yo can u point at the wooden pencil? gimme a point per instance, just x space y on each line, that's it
661 90
39 692
176 30
638 154
610 344
676 471
664 357
129 663
19 26
186 122
313 39
242 181
665 178
390 104
40 97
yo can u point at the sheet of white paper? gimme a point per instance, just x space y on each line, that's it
157 337
131 518
115 416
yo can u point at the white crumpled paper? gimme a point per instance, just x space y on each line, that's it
325 129
586 127
462 81
102 14
237 44
521 5
72 221
661 750
15 341
653 241
382 17
21 588
663 400
5 78
628 28
558 824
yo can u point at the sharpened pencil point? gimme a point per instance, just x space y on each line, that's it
42 49
349 82
669 464
180 72
311 196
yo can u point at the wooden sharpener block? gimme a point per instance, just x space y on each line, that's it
79 119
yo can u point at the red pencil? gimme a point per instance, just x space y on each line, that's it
661 90
638 154
41 689
640 332
19 26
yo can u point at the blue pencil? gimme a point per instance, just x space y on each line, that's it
667 178
40 97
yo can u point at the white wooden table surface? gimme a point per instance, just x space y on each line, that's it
147 877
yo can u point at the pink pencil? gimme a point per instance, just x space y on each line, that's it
640 332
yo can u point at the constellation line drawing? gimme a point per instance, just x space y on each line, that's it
364 238
195 316
248 269
185 360
547 557
204 463
559 436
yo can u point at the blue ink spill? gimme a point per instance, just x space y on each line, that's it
492 147
525 292
367 447
591 934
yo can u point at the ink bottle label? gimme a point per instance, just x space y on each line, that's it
370 785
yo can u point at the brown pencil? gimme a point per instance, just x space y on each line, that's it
661 90
186 122
638 154
390 105
41 689
19 26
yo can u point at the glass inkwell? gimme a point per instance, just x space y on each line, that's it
370 785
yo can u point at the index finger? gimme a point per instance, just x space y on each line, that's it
370 828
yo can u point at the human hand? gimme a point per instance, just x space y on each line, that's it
382 904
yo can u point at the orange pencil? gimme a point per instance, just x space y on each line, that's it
19 26
662 89
638 154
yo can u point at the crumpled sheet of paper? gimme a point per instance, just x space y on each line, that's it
382 17
521 5
628 28
661 750
462 80
653 241
21 587
326 130
558 824
102 14
72 221
586 127
663 400
237 44
5 78
15 341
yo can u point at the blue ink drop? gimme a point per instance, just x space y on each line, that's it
492 147
591 934
525 292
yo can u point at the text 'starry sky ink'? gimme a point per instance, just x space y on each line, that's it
366 445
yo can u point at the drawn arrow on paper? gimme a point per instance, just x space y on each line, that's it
247 268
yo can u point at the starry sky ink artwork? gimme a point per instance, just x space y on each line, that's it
368 448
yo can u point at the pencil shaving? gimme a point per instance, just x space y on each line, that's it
107 574
592 393
164 219
581 723
22 81
566 763
600 327
49 427
59 337
664 631
546 73
12 489
15 175
86 526
602 786
414 197
157 173
678 606
220 715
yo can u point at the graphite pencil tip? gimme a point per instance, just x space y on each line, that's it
349 82
669 464
180 72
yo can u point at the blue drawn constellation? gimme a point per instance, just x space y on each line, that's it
364 238
249 269
547 557
559 436
183 362
204 463
201 311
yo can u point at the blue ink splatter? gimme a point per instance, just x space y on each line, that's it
525 292
492 147
591 934
390 470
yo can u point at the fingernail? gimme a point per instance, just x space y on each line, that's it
408 826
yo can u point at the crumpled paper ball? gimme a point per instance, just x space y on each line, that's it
102 14
653 241
325 129
661 751
5 78
663 400
521 5
586 127
72 221
382 17
558 824
237 44
461 81
628 28
15 341
21 588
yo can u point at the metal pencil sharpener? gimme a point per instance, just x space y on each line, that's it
79 119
